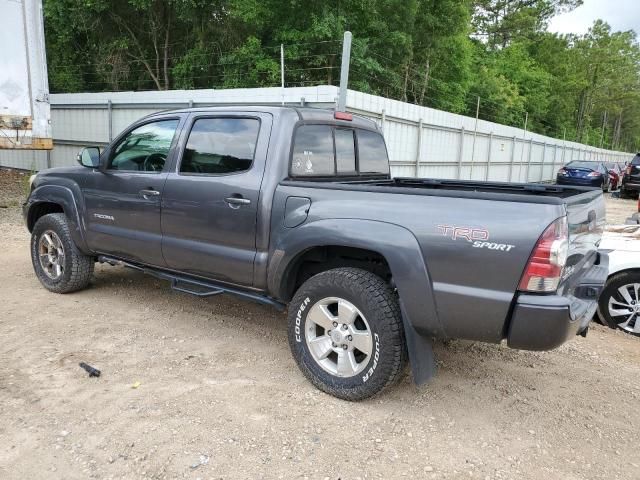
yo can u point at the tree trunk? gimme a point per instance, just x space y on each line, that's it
425 82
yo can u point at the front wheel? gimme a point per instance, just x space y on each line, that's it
619 303
57 262
346 333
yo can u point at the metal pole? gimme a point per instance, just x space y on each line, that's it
419 149
460 152
513 156
544 154
110 119
524 135
526 180
282 70
475 134
486 173
344 71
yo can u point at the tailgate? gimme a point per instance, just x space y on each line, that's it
586 219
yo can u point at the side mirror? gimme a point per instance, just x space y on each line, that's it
89 157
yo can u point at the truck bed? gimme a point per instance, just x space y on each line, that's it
513 192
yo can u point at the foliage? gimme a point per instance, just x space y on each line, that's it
440 53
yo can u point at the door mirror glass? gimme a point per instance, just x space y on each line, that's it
89 157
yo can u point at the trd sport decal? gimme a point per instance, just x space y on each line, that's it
478 237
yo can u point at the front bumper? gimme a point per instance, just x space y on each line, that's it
544 322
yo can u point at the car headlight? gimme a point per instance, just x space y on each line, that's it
31 179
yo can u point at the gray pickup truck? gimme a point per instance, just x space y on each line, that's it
295 207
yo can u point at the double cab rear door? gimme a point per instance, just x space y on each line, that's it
181 192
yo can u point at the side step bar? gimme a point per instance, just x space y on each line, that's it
199 288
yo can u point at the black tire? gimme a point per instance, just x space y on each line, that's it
377 302
77 268
613 284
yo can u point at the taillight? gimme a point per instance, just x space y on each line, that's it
594 174
549 257
343 116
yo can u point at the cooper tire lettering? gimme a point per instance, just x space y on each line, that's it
303 307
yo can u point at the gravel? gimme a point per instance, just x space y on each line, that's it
220 396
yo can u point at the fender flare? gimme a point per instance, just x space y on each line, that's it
65 197
402 252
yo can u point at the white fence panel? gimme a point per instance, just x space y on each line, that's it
421 141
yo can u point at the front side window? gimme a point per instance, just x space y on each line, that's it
313 151
145 148
219 146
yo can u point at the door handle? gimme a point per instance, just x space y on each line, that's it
237 202
149 193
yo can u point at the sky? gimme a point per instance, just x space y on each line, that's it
620 14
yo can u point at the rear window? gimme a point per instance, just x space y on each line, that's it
372 153
322 150
579 164
345 151
313 151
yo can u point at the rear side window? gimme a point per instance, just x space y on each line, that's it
219 146
372 153
322 150
313 151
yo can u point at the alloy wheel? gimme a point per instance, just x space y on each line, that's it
624 307
51 254
338 337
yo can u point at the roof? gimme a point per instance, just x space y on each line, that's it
304 113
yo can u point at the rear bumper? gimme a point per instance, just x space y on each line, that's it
582 182
544 322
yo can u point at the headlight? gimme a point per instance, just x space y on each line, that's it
31 179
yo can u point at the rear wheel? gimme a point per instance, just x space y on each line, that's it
57 262
346 333
619 303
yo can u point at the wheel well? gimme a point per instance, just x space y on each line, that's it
320 259
40 209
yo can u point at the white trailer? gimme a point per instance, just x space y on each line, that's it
25 115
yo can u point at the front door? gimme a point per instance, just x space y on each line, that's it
123 200
210 201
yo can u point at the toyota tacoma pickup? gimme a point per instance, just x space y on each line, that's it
296 208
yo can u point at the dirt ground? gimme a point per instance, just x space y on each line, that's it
219 396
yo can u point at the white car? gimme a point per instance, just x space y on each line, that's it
619 303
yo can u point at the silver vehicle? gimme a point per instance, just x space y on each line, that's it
619 304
